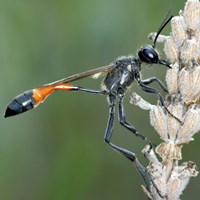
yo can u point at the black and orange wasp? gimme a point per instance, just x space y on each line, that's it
119 75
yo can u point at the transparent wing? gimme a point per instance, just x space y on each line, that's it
92 72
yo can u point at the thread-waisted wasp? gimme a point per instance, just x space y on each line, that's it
119 75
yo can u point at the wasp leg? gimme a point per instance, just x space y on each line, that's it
131 156
110 125
159 82
153 90
91 91
148 179
127 125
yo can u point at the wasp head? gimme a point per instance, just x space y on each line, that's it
149 55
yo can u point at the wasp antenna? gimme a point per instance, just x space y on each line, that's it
162 26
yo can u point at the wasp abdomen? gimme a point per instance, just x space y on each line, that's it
20 104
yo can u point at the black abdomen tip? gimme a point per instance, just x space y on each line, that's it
10 112
20 104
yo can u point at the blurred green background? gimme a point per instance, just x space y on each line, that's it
57 151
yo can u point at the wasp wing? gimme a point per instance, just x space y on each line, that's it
92 72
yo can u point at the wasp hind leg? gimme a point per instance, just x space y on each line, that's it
129 126
128 154
147 178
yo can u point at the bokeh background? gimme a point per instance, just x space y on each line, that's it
57 151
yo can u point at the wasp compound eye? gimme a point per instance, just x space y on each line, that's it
148 55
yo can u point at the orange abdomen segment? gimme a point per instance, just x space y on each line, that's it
41 93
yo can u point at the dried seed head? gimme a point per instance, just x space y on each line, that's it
182 48
172 79
172 124
192 101
160 38
189 53
169 152
170 130
170 184
171 49
190 127
180 177
192 15
179 30
138 101
158 121
166 126
188 83
187 169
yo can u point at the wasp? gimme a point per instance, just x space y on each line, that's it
119 75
